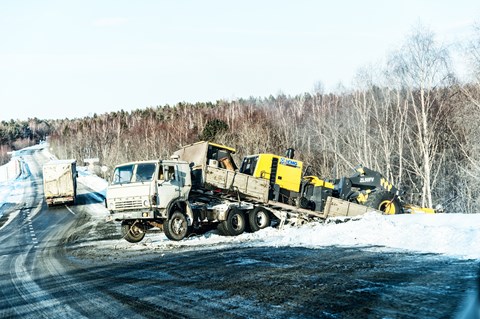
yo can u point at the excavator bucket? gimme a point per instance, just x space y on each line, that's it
412 209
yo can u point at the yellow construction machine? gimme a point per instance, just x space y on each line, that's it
288 185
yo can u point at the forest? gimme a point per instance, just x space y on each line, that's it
410 118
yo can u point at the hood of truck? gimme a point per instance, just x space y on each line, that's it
129 196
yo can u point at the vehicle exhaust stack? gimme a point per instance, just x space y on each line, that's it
290 153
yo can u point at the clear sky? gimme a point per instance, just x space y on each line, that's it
66 59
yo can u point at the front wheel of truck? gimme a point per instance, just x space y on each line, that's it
176 227
132 232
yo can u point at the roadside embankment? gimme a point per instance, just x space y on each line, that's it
10 171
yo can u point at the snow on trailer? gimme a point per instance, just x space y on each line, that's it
60 181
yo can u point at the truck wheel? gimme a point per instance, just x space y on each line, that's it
383 202
258 219
235 223
176 227
133 233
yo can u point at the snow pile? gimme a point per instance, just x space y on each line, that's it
454 235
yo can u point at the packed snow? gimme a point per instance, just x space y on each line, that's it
449 234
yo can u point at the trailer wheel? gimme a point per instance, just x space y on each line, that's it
235 223
132 232
383 202
258 219
176 227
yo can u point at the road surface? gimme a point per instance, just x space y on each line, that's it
49 270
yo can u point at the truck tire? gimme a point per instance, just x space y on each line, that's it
259 218
235 223
132 232
383 202
176 227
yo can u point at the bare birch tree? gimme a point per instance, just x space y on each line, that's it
422 67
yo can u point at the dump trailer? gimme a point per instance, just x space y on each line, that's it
60 182
201 185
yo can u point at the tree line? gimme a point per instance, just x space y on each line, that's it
410 119
16 135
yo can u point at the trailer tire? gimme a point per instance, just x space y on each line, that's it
176 227
383 202
234 224
132 232
259 218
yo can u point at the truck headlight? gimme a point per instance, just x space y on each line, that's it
145 203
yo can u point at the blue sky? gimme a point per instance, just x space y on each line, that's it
66 59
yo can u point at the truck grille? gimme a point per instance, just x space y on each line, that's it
128 204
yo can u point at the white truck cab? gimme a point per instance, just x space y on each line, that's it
146 194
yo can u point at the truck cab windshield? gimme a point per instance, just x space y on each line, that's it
145 172
142 172
123 174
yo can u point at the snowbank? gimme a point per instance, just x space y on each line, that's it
454 235
10 171
16 182
92 181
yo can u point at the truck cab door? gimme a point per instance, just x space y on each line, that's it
169 185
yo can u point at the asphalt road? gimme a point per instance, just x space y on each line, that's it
46 272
